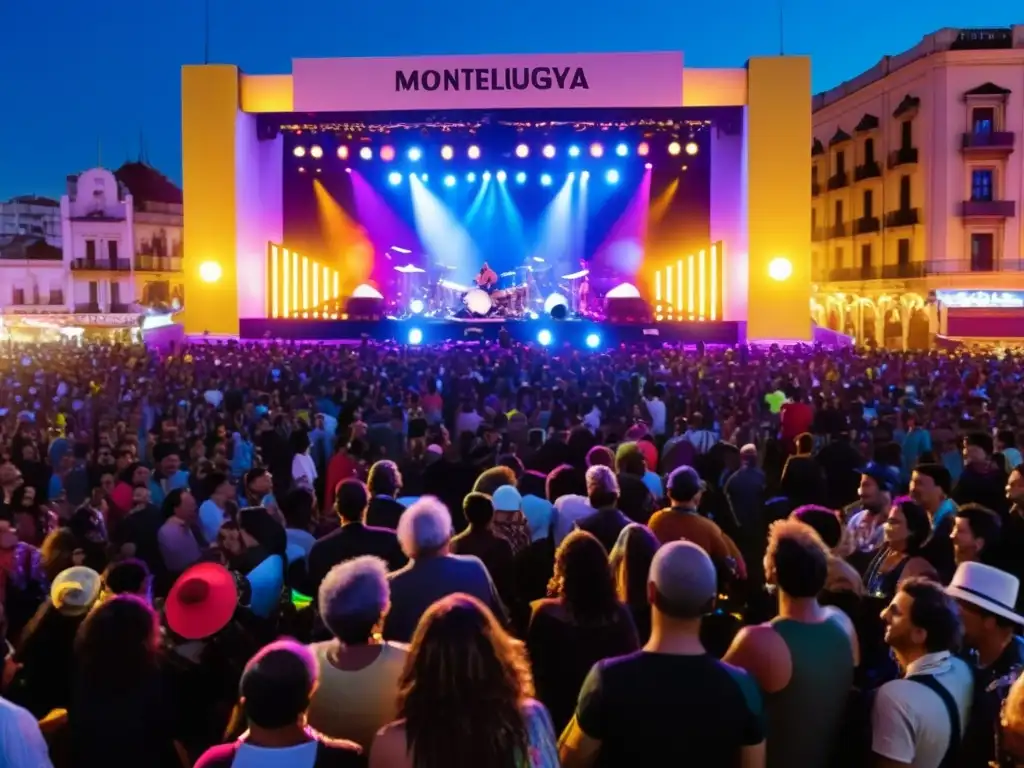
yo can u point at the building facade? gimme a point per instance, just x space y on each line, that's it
120 254
917 183
31 216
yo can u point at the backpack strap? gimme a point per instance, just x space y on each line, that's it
930 682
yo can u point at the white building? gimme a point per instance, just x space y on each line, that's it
32 216
121 244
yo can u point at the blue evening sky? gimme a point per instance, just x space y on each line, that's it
75 76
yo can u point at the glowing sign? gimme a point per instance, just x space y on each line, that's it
982 299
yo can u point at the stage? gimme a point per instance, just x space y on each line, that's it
580 334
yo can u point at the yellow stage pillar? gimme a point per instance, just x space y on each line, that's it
209 109
778 128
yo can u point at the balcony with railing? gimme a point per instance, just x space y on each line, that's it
101 265
147 263
838 230
22 305
87 308
877 272
988 209
902 217
866 225
838 180
903 156
121 309
969 266
870 170
988 141
818 234
815 189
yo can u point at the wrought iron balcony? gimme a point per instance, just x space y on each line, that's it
988 140
988 209
113 265
902 217
870 170
903 156
866 224
838 180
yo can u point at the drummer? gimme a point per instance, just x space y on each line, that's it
487 278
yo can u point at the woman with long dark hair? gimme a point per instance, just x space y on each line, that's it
465 697
581 623
120 714
630 561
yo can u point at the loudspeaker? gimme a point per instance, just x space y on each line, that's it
364 308
627 310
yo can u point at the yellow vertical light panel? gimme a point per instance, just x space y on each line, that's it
657 285
668 287
779 196
679 286
714 282
209 109
296 278
689 281
305 283
275 278
701 279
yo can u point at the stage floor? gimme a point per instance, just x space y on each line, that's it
433 331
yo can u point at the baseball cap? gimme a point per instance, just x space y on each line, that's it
685 578
887 478
507 499
684 483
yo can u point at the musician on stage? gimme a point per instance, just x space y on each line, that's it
487 278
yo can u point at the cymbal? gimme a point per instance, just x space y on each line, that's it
508 274
410 269
576 275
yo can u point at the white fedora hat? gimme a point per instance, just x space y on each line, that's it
988 588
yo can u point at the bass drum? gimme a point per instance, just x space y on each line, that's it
478 302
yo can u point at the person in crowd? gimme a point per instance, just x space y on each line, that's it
509 521
975 533
21 741
907 529
683 521
1011 535
213 512
745 492
179 547
865 518
580 624
465 697
843 586
986 596
120 713
482 541
298 508
537 509
919 719
275 691
127 577
635 497
359 670
982 480
385 484
59 552
1006 444
804 659
701 438
304 473
352 539
630 561
168 475
567 492
715 710
1011 724
425 533
607 521
131 477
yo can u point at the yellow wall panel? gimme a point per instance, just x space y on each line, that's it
779 196
267 93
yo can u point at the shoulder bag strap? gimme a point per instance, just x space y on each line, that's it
929 681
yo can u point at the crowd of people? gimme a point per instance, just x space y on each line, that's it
269 554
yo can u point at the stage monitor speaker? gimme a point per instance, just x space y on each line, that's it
631 309
364 308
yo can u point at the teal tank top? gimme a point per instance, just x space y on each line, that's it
804 718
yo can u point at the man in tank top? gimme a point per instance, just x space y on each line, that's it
804 659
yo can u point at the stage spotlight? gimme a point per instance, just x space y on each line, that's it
574 151
348 170
596 150
449 180
366 291
415 154
780 269
593 341
612 176
572 175
544 338
470 177
622 150
585 175
210 271
555 300
316 152
473 152
522 150
692 148
299 151
366 153
521 177
415 336
674 148
424 178
343 152
486 176
545 179
501 176
387 153
549 151
447 153
643 148
394 178
648 166
416 306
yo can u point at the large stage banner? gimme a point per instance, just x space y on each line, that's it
519 81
